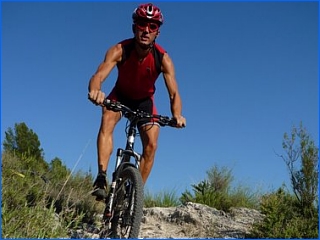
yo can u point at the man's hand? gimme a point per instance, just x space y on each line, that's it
181 121
97 97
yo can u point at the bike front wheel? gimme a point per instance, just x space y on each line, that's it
128 208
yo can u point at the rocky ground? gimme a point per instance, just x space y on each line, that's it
191 220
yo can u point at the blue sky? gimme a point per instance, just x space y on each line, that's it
247 72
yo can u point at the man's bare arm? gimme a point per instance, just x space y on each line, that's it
172 87
112 57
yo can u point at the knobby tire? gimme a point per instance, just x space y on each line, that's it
128 209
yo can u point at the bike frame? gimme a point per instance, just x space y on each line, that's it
124 163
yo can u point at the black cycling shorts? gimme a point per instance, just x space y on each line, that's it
145 104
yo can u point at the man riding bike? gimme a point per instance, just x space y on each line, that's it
139 61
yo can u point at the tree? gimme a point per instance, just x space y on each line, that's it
58 171
22 141
302 161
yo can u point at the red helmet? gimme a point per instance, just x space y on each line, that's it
148 12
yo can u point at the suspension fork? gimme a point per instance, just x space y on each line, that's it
110 198
115 180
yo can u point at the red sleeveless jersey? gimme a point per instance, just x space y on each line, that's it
136 79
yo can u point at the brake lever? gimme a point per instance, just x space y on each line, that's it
163 121
112 105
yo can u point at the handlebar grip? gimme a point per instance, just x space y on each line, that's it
173 122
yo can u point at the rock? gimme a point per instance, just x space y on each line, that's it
191 220
194 220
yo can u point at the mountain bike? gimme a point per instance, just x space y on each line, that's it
124 204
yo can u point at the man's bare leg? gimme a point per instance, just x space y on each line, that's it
105 147
149 137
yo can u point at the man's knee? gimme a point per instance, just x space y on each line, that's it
109 121
151 147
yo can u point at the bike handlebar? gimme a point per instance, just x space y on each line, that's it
127 112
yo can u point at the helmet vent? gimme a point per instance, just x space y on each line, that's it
150 10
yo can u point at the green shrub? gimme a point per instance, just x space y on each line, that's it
161 199
283 218
24 211
216 191
31 222
293 214
35 207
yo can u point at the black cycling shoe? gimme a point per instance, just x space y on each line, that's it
100 187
